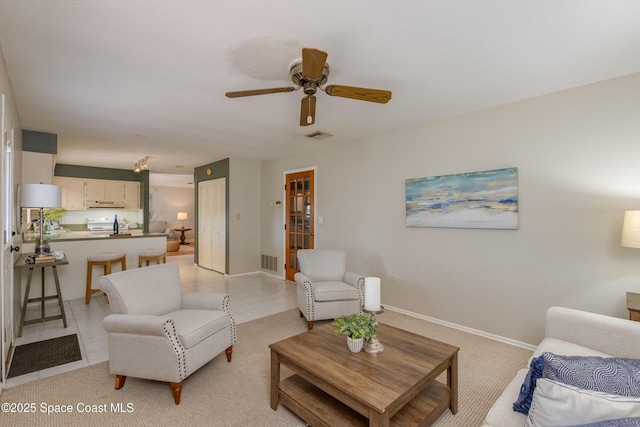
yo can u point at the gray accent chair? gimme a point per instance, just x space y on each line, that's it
326 289
160 333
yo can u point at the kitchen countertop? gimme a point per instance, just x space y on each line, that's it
77 246
86 235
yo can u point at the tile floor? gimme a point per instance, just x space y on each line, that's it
251 297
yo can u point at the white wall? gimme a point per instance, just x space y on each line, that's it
577 153
244 216
166 202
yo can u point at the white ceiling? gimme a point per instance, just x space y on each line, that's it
119 80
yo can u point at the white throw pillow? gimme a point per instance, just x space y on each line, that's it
558 404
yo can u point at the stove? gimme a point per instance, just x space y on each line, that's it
100 224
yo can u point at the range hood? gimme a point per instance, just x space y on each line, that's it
113 204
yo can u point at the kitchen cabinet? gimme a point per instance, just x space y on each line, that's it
72 192
114 190
102 189
95 189
131 195
76 191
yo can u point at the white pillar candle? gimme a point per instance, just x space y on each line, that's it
372 293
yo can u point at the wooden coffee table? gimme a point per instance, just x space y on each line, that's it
333 387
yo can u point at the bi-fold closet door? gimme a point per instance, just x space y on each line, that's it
212 224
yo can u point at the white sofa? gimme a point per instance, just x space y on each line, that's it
570 332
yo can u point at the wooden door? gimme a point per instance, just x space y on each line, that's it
299 190
212 224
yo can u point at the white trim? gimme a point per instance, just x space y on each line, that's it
463 328
243 274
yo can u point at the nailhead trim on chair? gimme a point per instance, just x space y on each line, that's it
360 286
309 293
232 323
170 331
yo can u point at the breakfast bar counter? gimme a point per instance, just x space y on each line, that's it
77 246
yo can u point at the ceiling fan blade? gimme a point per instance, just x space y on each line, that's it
359 93
308 111
313 61
241 93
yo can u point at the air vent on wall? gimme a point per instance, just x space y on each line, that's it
318 135
269 262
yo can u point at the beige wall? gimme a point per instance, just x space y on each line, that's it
577 153
244 216
166 202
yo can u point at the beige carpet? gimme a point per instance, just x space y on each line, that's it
237 393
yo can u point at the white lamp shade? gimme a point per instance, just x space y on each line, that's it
182 216
631 230
372 293
40 196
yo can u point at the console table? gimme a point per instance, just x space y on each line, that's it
21 263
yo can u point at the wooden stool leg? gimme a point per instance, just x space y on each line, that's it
139 261
87 297
124 263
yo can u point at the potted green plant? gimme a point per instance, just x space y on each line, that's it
356 327
50 215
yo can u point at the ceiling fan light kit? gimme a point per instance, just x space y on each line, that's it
310 74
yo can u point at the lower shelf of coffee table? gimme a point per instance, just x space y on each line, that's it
318 408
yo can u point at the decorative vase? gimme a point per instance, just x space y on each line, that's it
355 345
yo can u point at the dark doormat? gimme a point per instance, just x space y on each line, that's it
45 354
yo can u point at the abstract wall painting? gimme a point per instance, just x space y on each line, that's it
487 199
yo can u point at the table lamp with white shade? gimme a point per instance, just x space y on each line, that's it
182 216
631 230
40 196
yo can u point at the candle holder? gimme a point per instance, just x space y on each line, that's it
372 345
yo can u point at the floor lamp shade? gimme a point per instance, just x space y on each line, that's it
631 230
40 196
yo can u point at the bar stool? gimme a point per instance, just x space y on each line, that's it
105 260
156 255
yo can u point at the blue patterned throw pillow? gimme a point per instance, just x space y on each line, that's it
614 375
523 404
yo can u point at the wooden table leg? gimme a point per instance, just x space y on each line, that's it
55 277
275 379
452 382
26 300
42 315
377 419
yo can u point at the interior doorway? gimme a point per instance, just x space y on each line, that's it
300 217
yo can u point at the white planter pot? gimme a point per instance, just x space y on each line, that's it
355 345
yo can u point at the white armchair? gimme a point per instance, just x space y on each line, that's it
158 332
326 289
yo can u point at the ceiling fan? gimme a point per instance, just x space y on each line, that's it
310 74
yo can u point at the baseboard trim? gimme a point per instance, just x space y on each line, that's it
249 273
462 328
